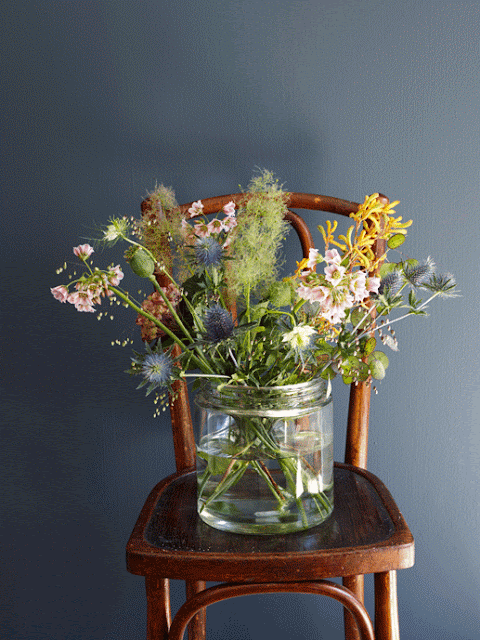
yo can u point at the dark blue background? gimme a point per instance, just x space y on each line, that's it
343 97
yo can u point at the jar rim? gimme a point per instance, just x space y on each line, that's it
294 399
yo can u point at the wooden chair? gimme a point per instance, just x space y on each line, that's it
366 534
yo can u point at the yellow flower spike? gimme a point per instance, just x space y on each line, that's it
328 235
301 266
339 245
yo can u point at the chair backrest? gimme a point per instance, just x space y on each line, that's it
356 447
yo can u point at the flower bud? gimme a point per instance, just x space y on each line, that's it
141 262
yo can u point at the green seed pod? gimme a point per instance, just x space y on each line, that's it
141 263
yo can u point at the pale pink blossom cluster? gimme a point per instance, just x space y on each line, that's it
338 289
203 229
90 288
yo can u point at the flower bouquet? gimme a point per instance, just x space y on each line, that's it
219 312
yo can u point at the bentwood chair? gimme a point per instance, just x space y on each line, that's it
366 534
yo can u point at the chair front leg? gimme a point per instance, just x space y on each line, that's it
158 608
386 606
197 625
356 586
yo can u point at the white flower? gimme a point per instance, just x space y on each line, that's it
300 337
117 229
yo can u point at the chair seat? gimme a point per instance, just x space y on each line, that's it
366 533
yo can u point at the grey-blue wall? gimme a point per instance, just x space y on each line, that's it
342 97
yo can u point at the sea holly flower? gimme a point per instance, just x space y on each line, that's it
391 284
420 274
208 253
218 323
83 251
157 369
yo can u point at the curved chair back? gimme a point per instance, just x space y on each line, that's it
356 447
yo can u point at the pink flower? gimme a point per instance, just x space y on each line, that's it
334 273
114 275
312 294
336 301
357 285
60 293
229 208
372 285
215 226
313 258
196 209
82 301
332 256
229 222
334 314
201 229
83 251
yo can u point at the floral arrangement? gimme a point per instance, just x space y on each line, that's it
218 309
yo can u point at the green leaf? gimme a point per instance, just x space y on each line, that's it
387 268
328 374
396 240
369 346
360 318
378 363
377 369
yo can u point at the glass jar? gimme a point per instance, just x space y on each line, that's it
265 457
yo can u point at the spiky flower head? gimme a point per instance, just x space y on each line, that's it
117 229
301 337
420 274
218 323
208 252
443 285
391 284
157 370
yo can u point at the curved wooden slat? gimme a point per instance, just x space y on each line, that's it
224 592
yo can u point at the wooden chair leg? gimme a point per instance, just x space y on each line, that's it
356 586
386 606
158 608
197 625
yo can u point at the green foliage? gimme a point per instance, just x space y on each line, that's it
258 237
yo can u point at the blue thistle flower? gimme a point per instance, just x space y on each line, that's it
218 323
420 274
157 370
391 284
208 252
